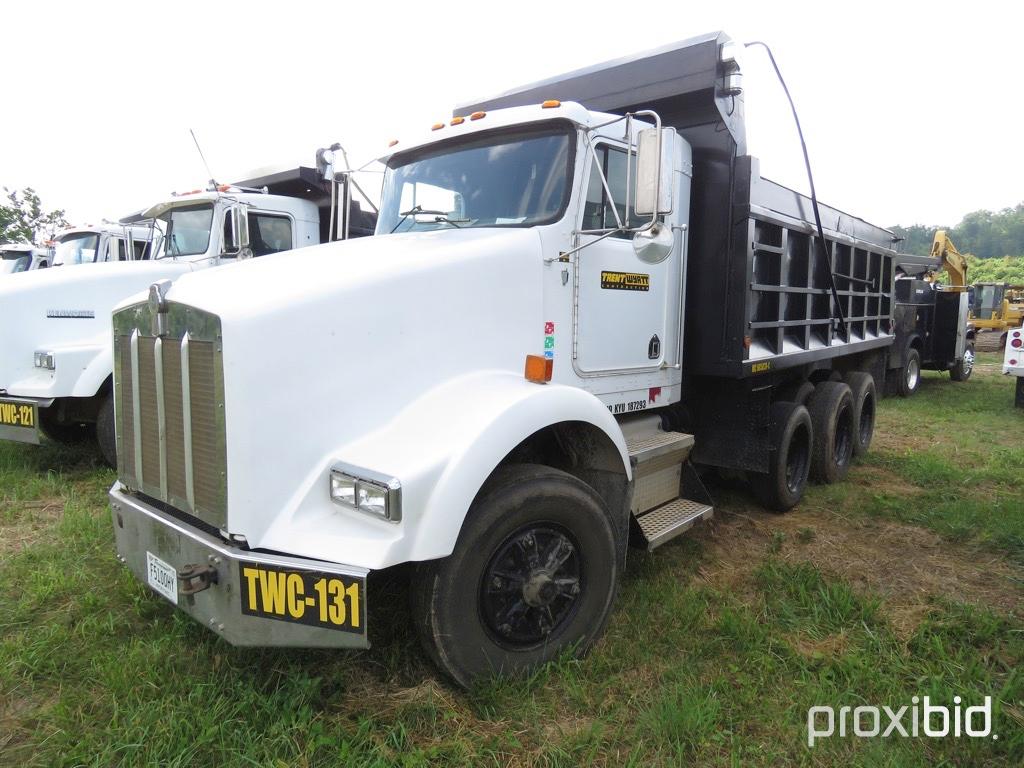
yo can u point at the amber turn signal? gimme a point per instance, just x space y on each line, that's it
539 368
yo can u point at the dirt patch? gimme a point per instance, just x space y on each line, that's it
818 648
24 522
905 565
883 481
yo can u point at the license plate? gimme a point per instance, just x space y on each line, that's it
162 577
313 598
15 414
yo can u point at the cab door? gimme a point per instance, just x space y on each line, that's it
624 306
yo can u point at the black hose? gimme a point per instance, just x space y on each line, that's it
823 244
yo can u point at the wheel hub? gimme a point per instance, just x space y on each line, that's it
531 585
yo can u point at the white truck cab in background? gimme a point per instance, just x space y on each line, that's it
23 257
56 357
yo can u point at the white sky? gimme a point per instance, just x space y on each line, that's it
912 111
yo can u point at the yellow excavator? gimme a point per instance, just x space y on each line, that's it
951 260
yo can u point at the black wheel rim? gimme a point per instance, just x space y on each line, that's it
867 420
843 446
531 586
798 459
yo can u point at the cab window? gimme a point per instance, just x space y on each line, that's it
598 209
269 233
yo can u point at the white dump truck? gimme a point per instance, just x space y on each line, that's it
581 295
56 359
23 257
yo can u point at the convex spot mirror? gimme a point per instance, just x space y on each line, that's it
654 171
236 233
652 246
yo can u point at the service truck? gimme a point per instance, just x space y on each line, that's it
56 359
582 294
22 257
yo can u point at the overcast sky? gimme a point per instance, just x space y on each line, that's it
906 106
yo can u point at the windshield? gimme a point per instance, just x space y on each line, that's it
188 230
506 179
14 261
79 248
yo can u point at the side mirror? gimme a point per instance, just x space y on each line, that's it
236 233
654 171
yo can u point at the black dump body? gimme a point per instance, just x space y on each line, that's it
305 183
758 297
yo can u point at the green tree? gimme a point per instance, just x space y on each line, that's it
22 219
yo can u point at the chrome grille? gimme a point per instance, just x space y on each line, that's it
170 409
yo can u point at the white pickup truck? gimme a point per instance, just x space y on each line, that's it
56 360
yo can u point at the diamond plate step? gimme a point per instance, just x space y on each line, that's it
669 520
659 449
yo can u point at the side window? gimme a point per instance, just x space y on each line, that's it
141 248
269 233
118 249
597 209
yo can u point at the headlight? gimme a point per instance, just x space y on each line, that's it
367 491
44 360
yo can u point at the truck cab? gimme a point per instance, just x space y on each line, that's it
23 257
56 371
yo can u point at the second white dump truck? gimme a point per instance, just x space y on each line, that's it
581 294
56 359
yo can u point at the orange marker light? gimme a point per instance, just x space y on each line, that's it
437 126
458 120
392 142
551 104
539 369
477 115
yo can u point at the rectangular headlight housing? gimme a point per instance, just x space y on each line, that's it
367 491
44 360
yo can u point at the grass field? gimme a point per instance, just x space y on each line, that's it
907 580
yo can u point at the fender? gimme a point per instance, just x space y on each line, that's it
94 372
442 447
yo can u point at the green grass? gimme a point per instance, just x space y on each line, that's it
719 644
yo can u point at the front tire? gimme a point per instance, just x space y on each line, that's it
831 409
66 433
533 573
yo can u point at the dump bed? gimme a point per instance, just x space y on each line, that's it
758 296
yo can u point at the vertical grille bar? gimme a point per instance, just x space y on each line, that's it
186 417
136 407
161 412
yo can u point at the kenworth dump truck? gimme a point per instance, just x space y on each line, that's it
581 294
56 359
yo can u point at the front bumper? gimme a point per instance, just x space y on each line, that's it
19 418
248 598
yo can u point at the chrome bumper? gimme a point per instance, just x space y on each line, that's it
141 532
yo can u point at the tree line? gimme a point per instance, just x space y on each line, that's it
986 234
23 220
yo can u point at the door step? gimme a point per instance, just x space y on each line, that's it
664 523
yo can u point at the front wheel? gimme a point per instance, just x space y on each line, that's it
910 374
533 573
962 370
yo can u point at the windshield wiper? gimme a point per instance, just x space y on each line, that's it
439 216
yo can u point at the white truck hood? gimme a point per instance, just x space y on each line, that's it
66 310
326 345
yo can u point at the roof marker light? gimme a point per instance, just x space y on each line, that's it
551 104
477 115
458 120
437 126
392 142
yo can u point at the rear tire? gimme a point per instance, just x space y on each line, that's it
533 573
962 370
796 393
105 435
831 410
782 487
910 373
862 388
